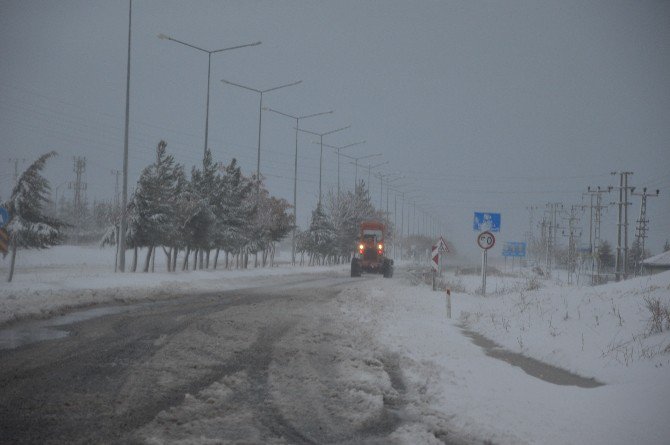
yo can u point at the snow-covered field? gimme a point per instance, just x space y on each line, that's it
603 335
602 332
50 281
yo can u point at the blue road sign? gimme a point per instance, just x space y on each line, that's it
514 249
4 217
486 221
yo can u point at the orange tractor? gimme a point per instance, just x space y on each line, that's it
371 248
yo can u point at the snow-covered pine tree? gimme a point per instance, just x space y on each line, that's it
153 216
234 209
250 233
29 227
204 183
322 236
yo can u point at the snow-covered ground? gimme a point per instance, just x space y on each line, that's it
602 332
47 282
596 332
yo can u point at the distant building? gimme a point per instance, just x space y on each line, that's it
657 263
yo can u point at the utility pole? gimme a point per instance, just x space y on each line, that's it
572 241
116 173
621 264
117 215
402 223
529 235
395 224
641 228
78 186
553 208
595 219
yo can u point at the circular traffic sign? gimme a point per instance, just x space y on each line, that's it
486 240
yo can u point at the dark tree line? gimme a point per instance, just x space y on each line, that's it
211 212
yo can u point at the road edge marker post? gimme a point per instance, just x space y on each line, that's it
448 303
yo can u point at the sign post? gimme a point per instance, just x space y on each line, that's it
434 262
485 240
435 257
486 223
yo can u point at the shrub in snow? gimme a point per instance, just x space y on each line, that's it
659 315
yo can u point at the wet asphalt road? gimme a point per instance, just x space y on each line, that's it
118 378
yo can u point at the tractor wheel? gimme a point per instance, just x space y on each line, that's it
355 267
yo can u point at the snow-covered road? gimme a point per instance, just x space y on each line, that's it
300 355
275 364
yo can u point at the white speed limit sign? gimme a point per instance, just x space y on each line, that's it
486 240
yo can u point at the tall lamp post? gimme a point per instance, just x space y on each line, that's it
370 167
356 159
121 256
209 70
321 135
338 149
260 120
295 168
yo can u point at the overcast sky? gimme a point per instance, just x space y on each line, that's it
479 105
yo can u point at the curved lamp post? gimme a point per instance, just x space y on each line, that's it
260 119
321 135
295 167
209 70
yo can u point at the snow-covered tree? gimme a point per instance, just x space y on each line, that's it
205 183
153 205
346 213
29 227
320 242
234 209
275 223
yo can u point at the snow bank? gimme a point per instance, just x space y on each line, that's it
48 282
488 399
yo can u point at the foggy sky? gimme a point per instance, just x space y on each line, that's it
480 106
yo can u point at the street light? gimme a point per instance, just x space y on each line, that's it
381 177
321 135
370 167
209 70
390 179
121 257
356 159
338 149
295 168
260 119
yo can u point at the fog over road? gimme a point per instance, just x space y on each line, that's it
274 364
